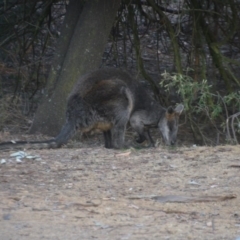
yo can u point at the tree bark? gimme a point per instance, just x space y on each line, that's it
83 54
74 10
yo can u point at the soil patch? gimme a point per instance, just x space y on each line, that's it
96 193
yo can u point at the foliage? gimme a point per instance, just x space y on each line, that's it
201 101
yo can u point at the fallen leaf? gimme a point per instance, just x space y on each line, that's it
125 154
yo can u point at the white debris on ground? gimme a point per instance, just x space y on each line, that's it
20 156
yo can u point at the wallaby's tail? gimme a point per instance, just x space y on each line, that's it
28 145
66 132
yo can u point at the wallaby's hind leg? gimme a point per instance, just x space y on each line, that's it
108 139
118 135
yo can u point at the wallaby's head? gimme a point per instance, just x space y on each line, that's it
168 124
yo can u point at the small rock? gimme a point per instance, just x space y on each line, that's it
209 224
3 161
18 160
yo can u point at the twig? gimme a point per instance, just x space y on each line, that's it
232 117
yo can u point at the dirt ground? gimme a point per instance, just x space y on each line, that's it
95 193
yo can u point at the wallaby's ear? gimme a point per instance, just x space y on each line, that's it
179 108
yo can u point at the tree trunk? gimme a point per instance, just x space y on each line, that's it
74 10
83 54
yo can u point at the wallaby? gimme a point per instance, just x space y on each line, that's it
106 99
166 120
98 101
148 113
